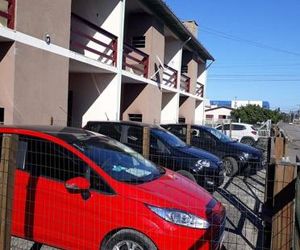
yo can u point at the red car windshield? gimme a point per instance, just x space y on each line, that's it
118 160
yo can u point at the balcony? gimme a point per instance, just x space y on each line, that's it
169 77
185 83
92 41
7 13
135 61
199 89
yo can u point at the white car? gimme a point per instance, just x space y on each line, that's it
242 132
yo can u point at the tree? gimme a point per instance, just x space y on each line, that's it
254 113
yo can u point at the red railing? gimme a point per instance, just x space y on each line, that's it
199 89
135 60
9 13
185 83
169 76
93 41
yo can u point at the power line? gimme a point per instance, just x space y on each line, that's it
243 40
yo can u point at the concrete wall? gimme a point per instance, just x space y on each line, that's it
202 73
105 14
40 17
169 108
41 86
188 59
199 112
94 97
141 99
173 53
148 26
7 73
187 109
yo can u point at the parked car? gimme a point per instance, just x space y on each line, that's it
166 150
75 189
237 157
242 132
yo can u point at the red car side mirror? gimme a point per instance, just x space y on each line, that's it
77 184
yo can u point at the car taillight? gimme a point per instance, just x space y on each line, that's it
254 132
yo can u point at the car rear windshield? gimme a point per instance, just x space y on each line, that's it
118 160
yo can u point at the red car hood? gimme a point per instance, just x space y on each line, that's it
174 191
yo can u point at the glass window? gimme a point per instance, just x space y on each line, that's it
168 138
118 160
238 127
44 158
111 130
133 137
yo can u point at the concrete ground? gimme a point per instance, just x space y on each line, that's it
243 199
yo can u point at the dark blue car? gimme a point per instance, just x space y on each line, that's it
237 157
166 150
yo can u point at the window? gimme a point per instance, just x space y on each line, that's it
181 120
134 136
1 115
184 69
139 41
222 116
209 116
157 146
238 127
111 130
135 117
44 158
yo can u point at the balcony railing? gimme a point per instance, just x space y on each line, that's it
199 89
7 13
169 76
135 61
185 83
93 41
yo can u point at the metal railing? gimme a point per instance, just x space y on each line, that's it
93 41
185 83
199 89
169 76
135 60
7 13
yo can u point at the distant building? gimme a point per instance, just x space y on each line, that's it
217 115
238 103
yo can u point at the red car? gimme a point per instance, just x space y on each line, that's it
76 189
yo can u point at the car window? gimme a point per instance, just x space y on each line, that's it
110 129
44 158
178 130
156 145
133 136
238 127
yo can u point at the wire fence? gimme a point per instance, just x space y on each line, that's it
70 189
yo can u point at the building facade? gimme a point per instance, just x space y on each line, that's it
68 62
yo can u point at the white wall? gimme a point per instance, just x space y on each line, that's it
199 112
169 112
106 14
94 97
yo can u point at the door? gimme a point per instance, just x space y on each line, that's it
54 215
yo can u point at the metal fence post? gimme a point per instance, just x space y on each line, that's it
7 171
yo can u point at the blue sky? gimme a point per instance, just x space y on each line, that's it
256 45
